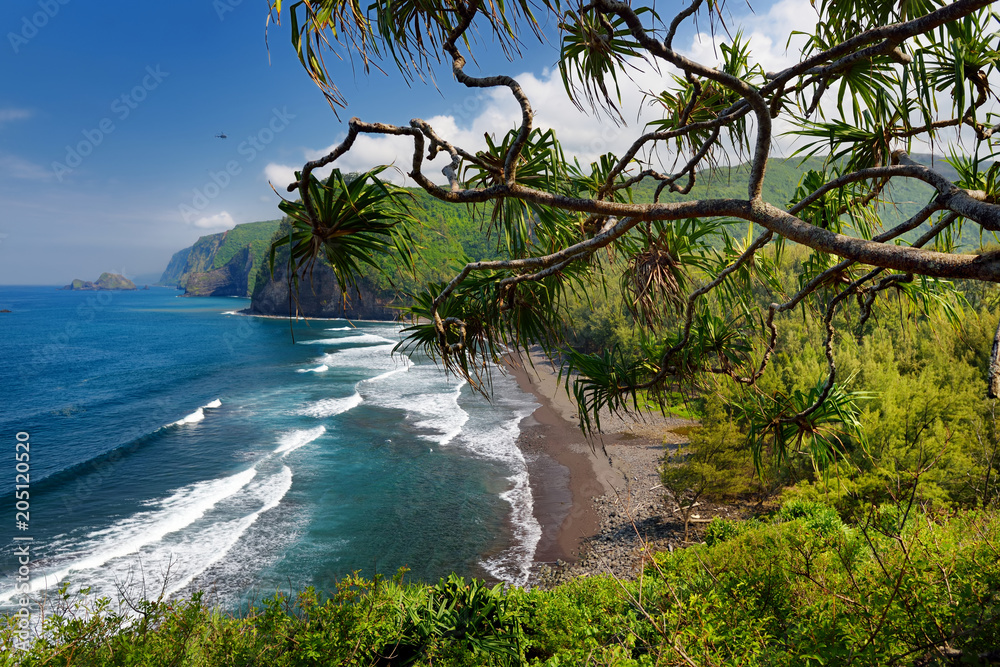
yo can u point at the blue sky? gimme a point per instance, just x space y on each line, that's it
109 111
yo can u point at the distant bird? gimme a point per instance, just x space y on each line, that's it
220 135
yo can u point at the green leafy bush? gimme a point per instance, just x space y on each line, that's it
799 588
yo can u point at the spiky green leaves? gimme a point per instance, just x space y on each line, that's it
595 47
706 296
482 320
962 62
410 32
700 104
799 423
541 165
348 224
477 618
885 100
655 280
847 18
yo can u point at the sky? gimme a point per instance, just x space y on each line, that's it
109 111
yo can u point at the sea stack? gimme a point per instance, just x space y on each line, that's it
107 282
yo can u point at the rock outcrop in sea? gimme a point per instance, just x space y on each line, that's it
107 281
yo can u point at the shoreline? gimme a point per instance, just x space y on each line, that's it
561 473
598 502
301 318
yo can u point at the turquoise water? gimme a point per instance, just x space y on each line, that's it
179 446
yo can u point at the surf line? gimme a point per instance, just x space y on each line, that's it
197 415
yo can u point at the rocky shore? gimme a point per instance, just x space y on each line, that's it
600 502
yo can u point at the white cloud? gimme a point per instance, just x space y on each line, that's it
495 112
218 222
16 167
7 114
279 176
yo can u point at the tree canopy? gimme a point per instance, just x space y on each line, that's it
877 82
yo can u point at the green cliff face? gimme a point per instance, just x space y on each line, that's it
222 264
234 278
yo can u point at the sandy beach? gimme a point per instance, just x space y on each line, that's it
598 501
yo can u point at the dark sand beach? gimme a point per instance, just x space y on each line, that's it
599 500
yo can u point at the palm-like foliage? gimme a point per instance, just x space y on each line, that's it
784 426
656 278
350 225
703 275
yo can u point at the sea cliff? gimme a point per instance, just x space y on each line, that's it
223 264
319 295
233 279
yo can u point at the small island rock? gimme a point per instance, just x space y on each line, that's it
107 281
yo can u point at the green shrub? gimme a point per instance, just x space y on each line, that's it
720 530
900 587
814 516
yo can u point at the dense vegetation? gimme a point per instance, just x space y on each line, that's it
795 588
254 234
213 251
889 552
443 237
448 236
854 373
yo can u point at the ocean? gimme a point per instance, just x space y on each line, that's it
178 446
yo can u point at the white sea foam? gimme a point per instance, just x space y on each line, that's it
360 339
171 514
372 357
514 564
292 440
171 563
387 374
217 403
319 369
438 411
200 550
483 438
341 329
192 418
328 407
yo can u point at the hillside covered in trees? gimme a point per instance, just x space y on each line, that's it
223 264
447 236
